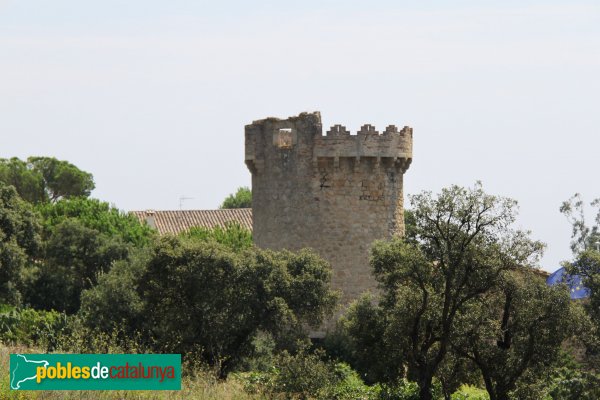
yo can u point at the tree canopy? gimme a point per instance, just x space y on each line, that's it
98 215
517 329
19 242
44 179
73 257
241 199
461 245
202 297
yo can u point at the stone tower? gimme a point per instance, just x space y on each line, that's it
335 193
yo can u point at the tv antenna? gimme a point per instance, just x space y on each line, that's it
182 199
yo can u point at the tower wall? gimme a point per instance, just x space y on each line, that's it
335 193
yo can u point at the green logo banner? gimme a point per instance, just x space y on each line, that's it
95 371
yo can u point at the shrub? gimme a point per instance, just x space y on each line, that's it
233 235
307 376
467 392
31 327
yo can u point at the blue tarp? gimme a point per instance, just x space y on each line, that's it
578 291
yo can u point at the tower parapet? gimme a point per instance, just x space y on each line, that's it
335 193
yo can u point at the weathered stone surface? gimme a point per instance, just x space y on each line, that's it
335 193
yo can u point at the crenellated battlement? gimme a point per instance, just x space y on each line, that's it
393 143
303 135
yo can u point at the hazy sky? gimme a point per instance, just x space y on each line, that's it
152 96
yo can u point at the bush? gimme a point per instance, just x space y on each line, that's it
31 327
357 340
233 235
79 338
571 382
467 392
307 376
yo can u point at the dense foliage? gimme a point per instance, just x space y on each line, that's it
44 179
233 235
459 295
586 264
97 215
74 255
241 199
513 334
202 297
19 242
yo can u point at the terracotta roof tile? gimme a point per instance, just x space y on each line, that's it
177 221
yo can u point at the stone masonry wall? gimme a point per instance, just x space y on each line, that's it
335 193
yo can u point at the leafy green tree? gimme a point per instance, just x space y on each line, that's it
19 242
463 241
202 297
114 304
74 255
357 340
28 183
210 299
583 235
571 381
97 215
241 199
43 179
61 178
517 329
82 238
587 265
585 245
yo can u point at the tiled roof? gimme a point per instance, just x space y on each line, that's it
182 220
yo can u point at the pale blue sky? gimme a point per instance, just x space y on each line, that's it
151 97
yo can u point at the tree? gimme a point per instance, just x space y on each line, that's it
28 183
114 304
517 330
42 179
463 241
583 235
241 199
19 242
97 215
74 255
61 178
585 245
587 265
201 297
357 340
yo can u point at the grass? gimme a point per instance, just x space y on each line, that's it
200 387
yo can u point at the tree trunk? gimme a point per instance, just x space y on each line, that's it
425 388
489 386
502 395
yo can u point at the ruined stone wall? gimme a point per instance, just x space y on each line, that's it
335 193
